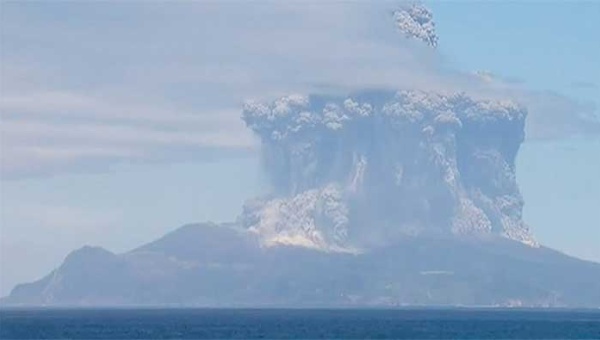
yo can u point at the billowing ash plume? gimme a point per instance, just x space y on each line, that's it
357 172
360 171
416 21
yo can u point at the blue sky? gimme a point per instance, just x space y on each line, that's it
120 122
550 47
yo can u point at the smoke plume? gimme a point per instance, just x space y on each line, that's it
360 171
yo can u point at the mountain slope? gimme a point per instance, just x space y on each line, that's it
218 265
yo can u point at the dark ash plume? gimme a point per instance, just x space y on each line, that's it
416 21
360 171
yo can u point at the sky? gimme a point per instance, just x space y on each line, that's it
120 121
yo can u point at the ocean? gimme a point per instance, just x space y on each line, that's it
298 324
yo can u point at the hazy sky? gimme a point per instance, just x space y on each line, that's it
120 121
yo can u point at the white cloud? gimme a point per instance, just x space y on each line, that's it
52 130
94 84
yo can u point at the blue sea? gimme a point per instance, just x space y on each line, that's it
298 324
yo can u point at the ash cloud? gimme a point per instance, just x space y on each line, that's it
352 173
436 157
416 21
360 171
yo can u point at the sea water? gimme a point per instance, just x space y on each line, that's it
299 323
